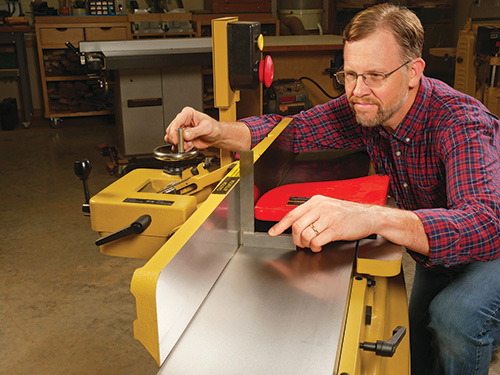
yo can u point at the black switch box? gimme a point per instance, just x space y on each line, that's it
244 54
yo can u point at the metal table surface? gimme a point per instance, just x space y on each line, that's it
272 311
237 301
129 54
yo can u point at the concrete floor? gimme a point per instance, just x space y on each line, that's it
66 308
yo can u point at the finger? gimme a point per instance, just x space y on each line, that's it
326 236
303 238
287 221
300 216
203 129
316 244
183 118
281 226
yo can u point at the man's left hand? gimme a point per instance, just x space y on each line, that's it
322 220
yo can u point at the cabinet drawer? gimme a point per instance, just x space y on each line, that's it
105 33
60 35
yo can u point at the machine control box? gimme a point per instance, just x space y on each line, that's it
244 55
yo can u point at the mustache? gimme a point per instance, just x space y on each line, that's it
354 100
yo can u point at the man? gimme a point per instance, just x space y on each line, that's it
441 150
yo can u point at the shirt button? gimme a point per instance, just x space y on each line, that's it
398 153
407 140
405 185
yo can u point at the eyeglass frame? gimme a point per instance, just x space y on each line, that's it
363 75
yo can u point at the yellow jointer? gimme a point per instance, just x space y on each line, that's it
222 297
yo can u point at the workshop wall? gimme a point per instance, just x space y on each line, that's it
463 10
475 9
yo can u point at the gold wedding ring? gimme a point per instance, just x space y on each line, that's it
314 229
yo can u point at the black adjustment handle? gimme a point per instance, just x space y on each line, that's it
83 168
72 48
386 348
76 51
137 227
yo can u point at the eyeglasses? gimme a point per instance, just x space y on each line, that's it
371 79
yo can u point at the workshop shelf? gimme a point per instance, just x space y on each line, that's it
67 90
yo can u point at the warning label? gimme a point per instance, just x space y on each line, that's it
225 185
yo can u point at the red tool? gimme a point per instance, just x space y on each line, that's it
276 203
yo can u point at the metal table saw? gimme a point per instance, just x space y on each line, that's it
154 80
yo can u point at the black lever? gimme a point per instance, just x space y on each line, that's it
83 168
386 348
76 51
137 227
72 47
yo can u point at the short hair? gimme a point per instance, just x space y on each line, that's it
400 21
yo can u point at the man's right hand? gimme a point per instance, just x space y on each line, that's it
202 131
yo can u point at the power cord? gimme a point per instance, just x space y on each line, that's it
319 87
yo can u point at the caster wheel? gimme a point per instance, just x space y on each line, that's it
55 122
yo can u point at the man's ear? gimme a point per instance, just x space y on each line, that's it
416 71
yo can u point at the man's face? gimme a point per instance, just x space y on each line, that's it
385 105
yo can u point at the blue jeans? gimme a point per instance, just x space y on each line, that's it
455 318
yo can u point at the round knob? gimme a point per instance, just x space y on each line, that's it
83 168
165 153
266 71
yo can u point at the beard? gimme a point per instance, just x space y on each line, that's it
383 113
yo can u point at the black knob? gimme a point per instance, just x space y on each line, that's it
83 168
385 348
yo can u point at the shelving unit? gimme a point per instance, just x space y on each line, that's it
66 88
68 92
16 67
159 18
202 22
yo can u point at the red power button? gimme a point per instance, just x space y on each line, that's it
266 71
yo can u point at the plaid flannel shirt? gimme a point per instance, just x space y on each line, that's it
443 161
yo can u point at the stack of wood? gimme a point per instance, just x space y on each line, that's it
78 96
14 21
61 62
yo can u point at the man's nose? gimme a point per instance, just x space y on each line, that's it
360 87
